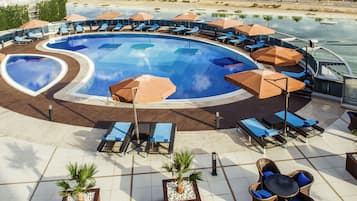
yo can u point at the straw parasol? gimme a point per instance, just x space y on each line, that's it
34 24
75 17
225 23
108 15
254 30
277 55
141 17
264 83
142 89
185 17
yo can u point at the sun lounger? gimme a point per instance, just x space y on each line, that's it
63 30
238 40
228 35
118 27
194 30
79 29
34 35
259 44
118 132
261 134
179 29
154 27
300 75
103 27
140 27
305 127
164 133
21 40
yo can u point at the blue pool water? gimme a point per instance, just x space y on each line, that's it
32 72
196 68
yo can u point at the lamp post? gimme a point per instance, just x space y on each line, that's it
214 164
50 112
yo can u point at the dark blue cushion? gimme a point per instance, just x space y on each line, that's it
267 173
294 199
264 193
303 180
256 194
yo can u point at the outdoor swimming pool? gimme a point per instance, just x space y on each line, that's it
196 68
32 74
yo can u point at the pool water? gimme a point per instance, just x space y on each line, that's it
196 68
32 72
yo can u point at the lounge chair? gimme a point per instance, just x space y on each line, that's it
227 36
140 27
353 120
79 29
305 127
258 193
164 133
118 132
34 35
118 27
238 40
154 27
304 180
179 29
300 75
266 167
103 27
21 40
258 45
261 134
63 30
194 30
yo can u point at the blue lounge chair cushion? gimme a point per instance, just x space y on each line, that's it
79 28
239 39
294 74
265 193
63 30
259 44
103 27
258 129
118 132
295 120
227 35
33 35
162 132
179 29
256 194
154 27
294 199
267 173
118 26
195 29
22 40
303 180
140 27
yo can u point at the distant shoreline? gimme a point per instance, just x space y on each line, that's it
322 9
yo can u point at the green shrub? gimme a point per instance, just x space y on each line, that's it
52 10
242 16
280 17
13 16
254 5
237 11
296 18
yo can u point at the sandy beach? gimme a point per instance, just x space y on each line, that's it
322 9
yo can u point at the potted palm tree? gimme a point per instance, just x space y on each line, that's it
81 180
180 166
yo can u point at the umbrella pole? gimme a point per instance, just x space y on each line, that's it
286 107
306 60
135 116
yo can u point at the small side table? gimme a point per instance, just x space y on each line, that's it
282 185
351 163
274 122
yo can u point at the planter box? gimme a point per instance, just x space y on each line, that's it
194 185
96 194
351 164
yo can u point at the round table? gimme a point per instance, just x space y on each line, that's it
281 185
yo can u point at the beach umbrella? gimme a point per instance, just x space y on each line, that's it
108 15
75 17
142 89
254 30
34 24
276 55
225 23
264 83
185 17
141 17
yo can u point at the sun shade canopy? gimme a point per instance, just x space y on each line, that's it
225 23
254 30
276 55
141 17
185 17
75 17
34 24
108 15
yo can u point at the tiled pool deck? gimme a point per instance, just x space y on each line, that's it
34 154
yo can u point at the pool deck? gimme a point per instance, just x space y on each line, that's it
100 117
34 151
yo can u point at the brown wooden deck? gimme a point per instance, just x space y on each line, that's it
97 116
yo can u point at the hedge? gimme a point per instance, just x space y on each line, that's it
52 10
13 16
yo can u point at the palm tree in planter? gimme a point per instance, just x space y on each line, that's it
82 179
180 166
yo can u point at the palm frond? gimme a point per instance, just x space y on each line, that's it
195 176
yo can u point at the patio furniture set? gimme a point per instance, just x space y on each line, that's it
272 185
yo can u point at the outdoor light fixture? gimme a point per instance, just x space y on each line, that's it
214 164
50 112
218 118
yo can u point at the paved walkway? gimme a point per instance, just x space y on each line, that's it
34 154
